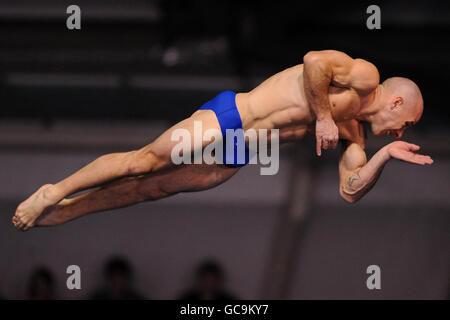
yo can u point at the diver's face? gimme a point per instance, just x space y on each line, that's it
393 119
396 130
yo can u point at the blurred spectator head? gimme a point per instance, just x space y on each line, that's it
41 284
209 283
210 276
118 274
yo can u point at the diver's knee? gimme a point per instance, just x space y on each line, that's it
143 161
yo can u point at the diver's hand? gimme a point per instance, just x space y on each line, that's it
405 151
327 134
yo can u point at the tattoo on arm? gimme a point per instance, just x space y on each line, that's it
353 178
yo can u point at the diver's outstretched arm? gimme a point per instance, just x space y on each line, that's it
357 176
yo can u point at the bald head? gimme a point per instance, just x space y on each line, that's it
409 92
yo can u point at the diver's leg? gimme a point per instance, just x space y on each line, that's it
132 190
151 158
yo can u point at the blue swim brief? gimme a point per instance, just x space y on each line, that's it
224 106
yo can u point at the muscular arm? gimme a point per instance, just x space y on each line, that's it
317 75
357 176
329 67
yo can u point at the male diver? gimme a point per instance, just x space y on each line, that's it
330 93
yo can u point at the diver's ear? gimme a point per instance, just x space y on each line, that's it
397 103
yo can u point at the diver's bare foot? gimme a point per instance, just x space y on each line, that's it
53 215
29 210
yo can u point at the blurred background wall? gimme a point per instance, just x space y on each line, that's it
136 67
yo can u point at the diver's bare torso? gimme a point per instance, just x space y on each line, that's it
280 103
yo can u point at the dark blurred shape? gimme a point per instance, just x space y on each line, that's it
144 54
118 275
41 285
209 284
